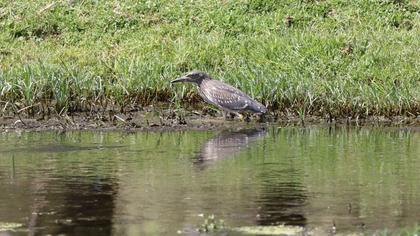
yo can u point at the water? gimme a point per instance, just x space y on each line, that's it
110 183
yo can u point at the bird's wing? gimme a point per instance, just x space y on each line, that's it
226 96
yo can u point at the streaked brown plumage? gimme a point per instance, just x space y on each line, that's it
222 95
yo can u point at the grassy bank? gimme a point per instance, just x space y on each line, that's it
336 58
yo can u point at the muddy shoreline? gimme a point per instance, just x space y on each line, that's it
169 120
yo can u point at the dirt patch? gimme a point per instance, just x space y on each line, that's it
153 119
145 120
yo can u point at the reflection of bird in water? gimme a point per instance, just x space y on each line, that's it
227 144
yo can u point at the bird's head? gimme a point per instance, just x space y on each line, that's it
193 77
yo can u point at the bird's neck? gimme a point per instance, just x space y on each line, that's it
199 82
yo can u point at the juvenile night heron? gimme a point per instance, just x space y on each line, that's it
229 99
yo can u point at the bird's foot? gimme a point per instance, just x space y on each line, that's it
261 118
243 117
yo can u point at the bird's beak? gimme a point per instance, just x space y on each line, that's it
181 79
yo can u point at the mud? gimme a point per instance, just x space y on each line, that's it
154 119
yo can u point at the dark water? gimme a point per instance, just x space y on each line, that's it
92 183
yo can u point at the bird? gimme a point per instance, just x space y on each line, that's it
224 96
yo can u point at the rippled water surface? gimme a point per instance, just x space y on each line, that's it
93 183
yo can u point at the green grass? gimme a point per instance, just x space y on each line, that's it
329 58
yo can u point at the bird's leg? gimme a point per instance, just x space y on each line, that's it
247 118
225 114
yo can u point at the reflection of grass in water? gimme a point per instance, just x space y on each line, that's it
409 231
328 57
9 226
271 230
296 230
